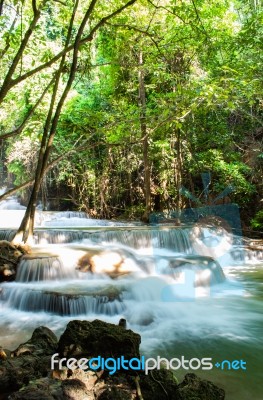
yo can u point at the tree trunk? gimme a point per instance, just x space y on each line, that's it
145 143
179 170
25 231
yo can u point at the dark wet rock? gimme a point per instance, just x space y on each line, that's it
25 373
115 393
194 388
29 361
10 255
40 389
43 341
83 338
123 323
159 385
74 389
18 371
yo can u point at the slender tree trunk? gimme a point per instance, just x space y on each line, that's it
145 143
179 170
25 231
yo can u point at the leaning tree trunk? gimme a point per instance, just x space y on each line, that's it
25 231
26 228
145 143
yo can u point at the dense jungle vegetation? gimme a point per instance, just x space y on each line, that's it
112 107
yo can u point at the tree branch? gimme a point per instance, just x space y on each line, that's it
34 7
19 129
69 48
8 78
48 168
2 52
61 2
1 7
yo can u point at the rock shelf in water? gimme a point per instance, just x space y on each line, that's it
103 301
25 373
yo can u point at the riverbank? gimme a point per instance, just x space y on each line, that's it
33 370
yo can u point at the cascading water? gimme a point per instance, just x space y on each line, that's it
180 301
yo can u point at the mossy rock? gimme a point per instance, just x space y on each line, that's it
98 338
43 341
194 388
159 385
115 393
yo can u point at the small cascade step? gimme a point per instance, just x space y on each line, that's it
64 304
52 236
71 214
7 234
41 267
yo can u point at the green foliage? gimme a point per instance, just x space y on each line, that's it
257 221
202 68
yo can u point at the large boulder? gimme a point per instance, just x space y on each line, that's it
98 338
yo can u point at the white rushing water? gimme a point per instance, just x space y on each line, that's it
183 298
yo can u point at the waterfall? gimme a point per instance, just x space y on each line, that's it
42 268
187 290
33 300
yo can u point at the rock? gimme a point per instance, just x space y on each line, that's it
29 361
26 374
111 292
194 388
86 339
40 389
43 341
9 257
123 323
114 393
18 371
3 355
112 262
74 389
101 261
159 385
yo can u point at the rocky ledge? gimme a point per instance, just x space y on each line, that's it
26 374
10 256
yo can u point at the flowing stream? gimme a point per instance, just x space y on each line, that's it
183 301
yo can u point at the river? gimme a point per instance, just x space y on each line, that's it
181 302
